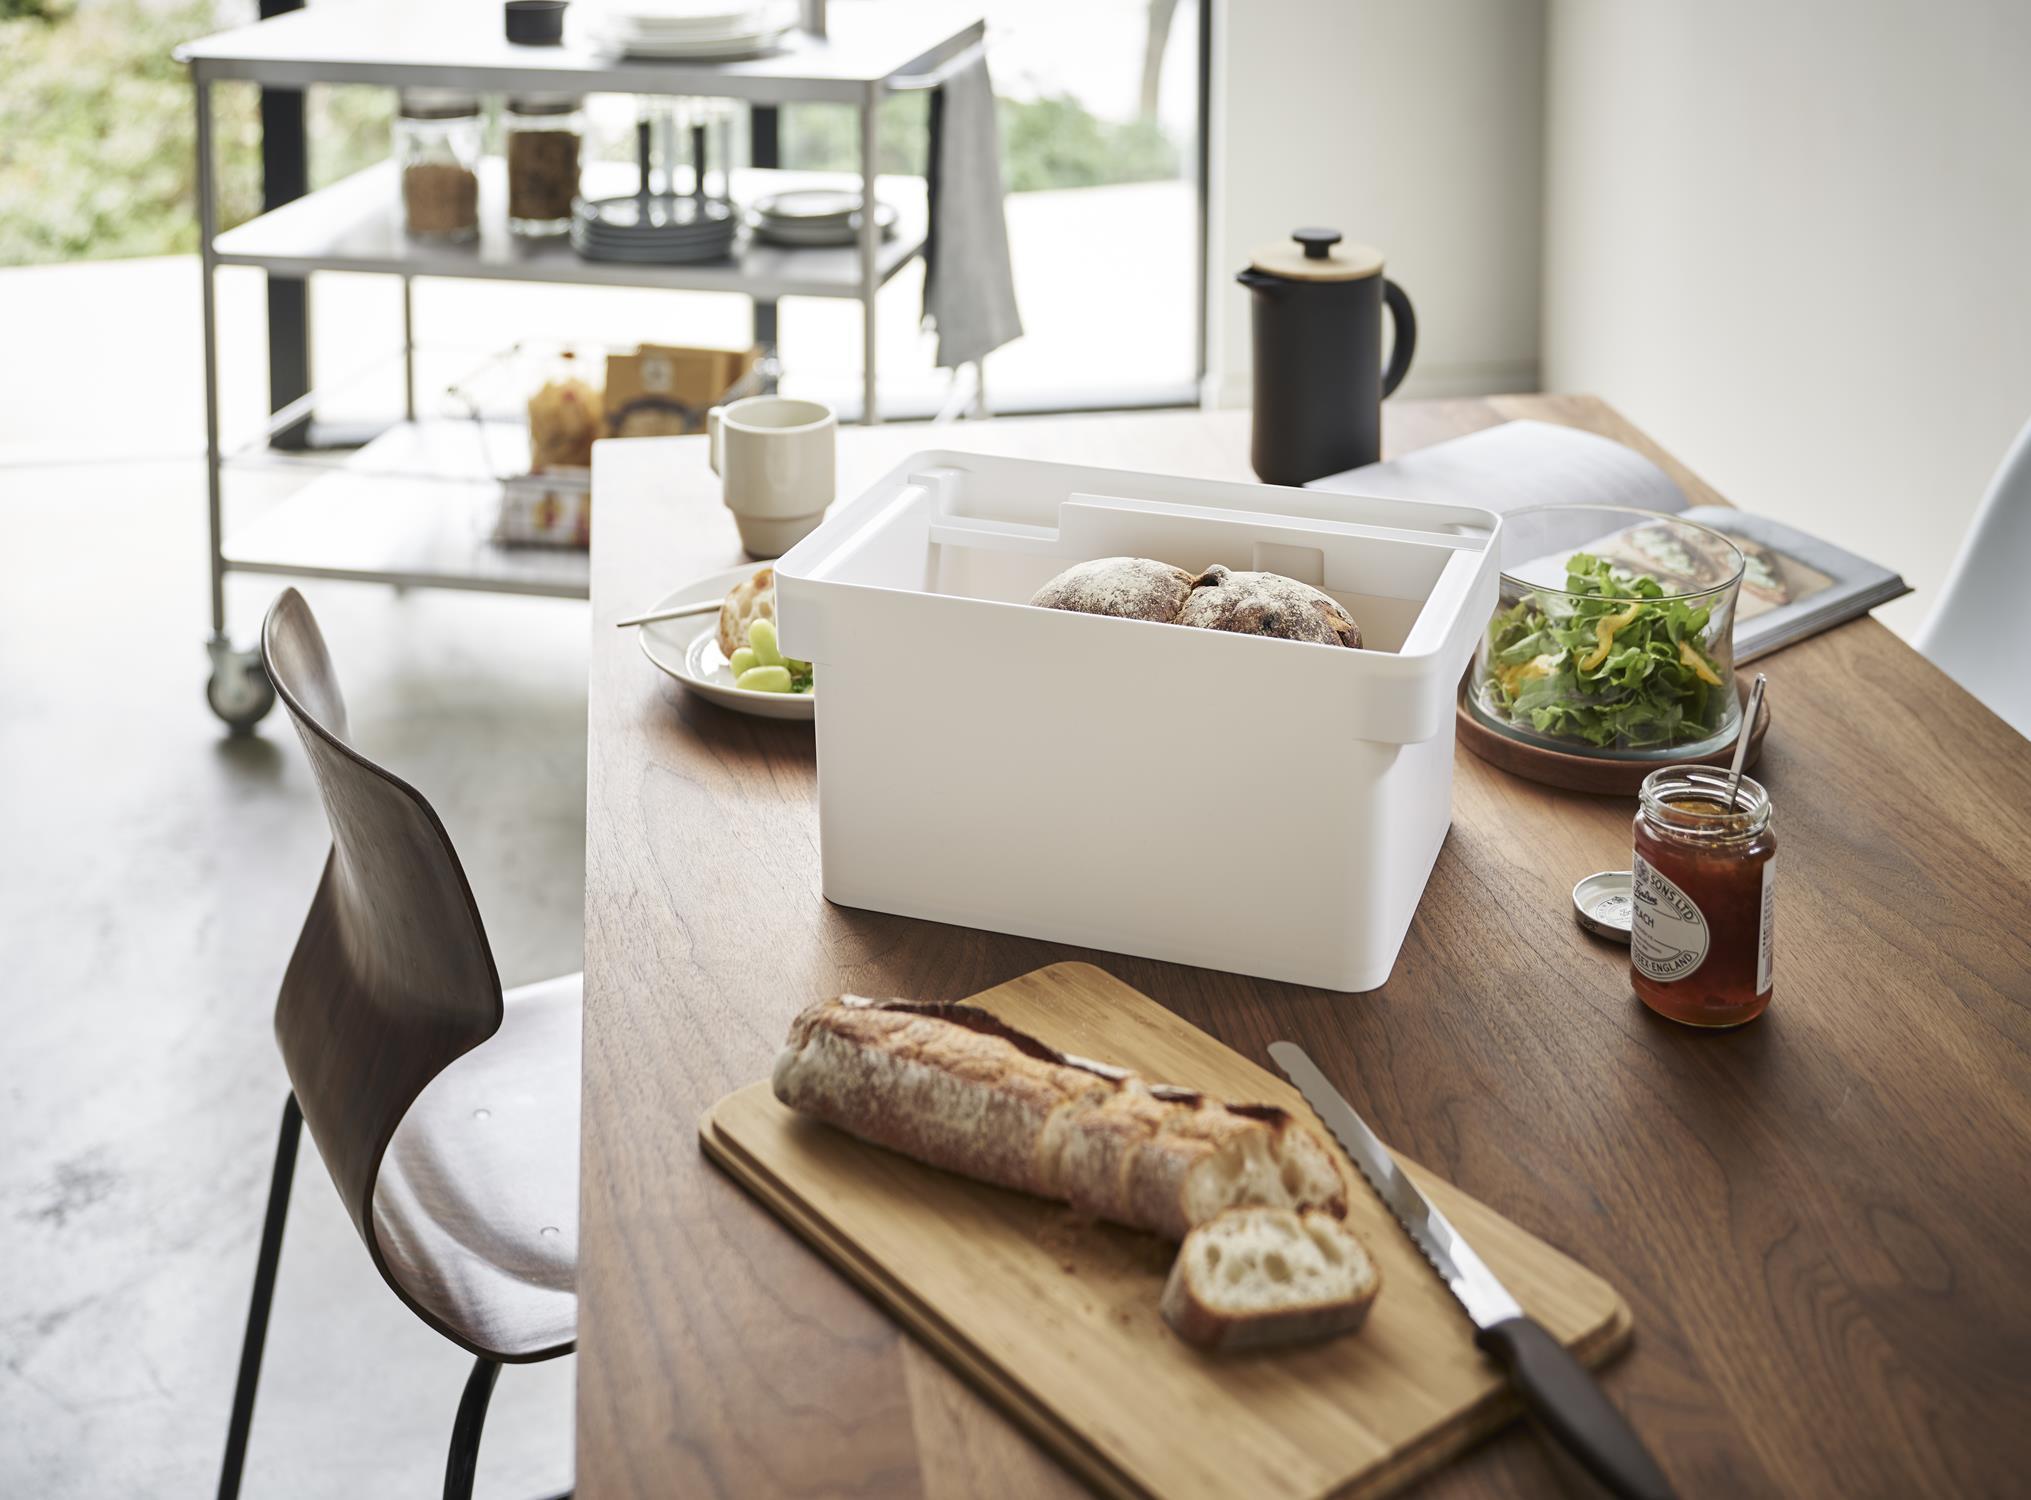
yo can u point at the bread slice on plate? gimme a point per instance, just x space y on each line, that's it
1251 1278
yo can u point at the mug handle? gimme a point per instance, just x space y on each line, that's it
714 416
1404 345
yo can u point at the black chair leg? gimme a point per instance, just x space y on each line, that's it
464 1458
264 1296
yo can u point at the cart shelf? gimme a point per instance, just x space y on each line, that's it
355 225
459 44
414 507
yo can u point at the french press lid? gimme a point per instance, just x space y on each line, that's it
1310 255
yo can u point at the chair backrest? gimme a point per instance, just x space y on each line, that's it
1978 632
392 979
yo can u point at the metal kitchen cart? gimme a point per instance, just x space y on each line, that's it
351 523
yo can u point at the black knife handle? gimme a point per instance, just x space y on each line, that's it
1565 1399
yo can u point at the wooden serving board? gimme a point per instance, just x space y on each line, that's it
1597 775
1056 1317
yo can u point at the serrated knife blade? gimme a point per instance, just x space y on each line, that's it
1476 1287
1554 1385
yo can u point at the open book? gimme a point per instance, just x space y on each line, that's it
1794 586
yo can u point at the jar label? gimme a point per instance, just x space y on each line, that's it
1668 935
1763 945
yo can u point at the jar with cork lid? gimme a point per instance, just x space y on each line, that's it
545 142
437 152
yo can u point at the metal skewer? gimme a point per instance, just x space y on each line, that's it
1742 737
702 607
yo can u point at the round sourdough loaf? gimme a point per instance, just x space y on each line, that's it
1129 588
1140 588
1267 604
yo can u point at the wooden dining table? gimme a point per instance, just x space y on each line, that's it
1821 1222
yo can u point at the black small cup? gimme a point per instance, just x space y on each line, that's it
535 23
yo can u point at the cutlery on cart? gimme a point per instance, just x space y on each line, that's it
1553 1384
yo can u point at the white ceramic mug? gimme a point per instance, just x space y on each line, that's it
774 457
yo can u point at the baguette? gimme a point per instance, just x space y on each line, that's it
1253 1278
955 1087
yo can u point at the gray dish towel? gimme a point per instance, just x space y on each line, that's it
969 286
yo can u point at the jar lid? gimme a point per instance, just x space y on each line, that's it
534 23
1309 255
1604 903
437 104
545 104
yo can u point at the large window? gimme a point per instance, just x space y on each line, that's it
1100 111
1101 118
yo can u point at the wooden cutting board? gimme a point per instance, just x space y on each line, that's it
1056 1318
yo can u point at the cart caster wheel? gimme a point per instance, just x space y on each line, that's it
239 690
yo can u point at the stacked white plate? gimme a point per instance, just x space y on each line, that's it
815 217
693 30
656 230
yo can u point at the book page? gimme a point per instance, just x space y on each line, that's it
1517 464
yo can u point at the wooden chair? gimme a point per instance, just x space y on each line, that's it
446 1112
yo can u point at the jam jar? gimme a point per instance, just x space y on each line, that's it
1704 876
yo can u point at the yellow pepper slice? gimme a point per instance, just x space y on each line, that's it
1605 630
1697 663
1513 678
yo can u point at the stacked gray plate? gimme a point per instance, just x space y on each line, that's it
812 217
653 230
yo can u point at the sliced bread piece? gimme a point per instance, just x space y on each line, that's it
1255 1277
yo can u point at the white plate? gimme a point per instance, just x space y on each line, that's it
728 49
810 205
688 650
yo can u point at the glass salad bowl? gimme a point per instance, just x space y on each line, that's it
1614 635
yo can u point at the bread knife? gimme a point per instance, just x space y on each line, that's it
1555 1386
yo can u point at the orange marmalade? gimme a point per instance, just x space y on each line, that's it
1700 944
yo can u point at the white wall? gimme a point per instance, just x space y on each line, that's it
1793 242
1412 125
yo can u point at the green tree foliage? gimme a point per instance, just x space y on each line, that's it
97 153
31 10
1052 142
97 132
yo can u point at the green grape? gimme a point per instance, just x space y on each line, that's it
742 659
762 636
770 679
797 668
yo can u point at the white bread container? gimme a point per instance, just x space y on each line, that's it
1264 806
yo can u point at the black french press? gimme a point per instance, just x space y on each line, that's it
1319 380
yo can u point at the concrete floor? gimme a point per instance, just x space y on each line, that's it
153 877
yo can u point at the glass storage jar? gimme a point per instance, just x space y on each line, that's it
545 143
437 151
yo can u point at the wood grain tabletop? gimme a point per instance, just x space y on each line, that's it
1820 1221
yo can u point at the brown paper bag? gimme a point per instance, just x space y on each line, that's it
663 390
